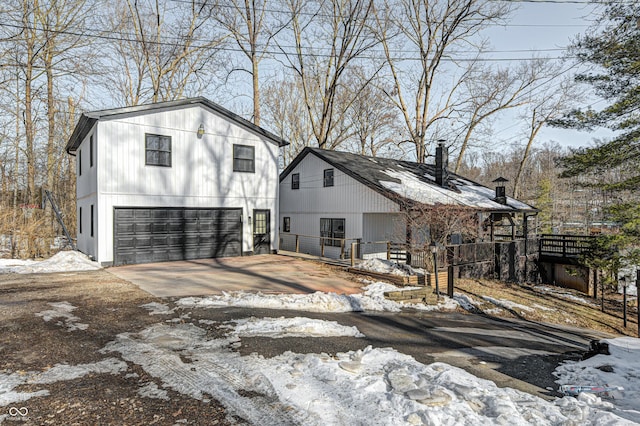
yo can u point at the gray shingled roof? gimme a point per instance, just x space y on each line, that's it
411 182
88 119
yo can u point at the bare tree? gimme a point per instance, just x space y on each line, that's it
171 49
548 103
246 21
371 117
490 91
62 25
329 37
286 112
432 31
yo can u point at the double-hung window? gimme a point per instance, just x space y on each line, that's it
295 181
244 159
328 178
330 229
157 150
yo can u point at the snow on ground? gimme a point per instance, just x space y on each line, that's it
507 304
371 300
465 301
290 327
63 261
386 267
57 373
618 369
318 389
156 308
563 294
62 311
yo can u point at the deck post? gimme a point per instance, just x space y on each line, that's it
388 250
450 280
353 254
297 243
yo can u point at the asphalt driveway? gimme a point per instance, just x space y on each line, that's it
269 273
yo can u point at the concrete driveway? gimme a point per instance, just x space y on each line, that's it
265 273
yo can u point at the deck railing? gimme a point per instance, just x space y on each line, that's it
567 246
341 248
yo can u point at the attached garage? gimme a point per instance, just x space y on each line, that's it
143 235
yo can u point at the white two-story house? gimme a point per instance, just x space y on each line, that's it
175 180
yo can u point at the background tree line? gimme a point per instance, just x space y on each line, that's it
377 77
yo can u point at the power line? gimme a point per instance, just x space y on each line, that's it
449 58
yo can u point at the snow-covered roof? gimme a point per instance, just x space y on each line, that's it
413 182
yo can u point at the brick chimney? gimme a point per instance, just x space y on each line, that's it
442 162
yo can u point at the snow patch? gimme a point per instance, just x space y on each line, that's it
290 327
57 373
386 267
156 308
63 261
63 311
372 299
625 352
151 390
563 295
318 389
507 304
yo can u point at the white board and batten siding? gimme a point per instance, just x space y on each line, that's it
87 195
201 173
347 199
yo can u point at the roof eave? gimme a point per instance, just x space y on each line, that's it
82 129
87 120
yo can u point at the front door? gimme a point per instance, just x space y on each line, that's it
261 232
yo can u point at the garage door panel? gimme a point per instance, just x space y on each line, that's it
142 213
141 228
153 235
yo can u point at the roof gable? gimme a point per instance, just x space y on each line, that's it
410 182
88 119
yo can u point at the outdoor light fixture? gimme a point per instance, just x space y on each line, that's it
434 250
200 130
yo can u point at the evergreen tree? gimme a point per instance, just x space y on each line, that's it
613 50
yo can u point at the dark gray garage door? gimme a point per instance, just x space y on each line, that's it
145 235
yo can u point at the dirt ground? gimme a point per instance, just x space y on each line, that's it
554 305
109 306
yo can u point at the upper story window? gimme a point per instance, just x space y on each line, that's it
157 150
244 158
328 178
295 181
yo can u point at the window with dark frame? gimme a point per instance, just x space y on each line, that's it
91 151
80 162
286 224
157 150
244 159
328 178
331 229
80 220
295 181
92 220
